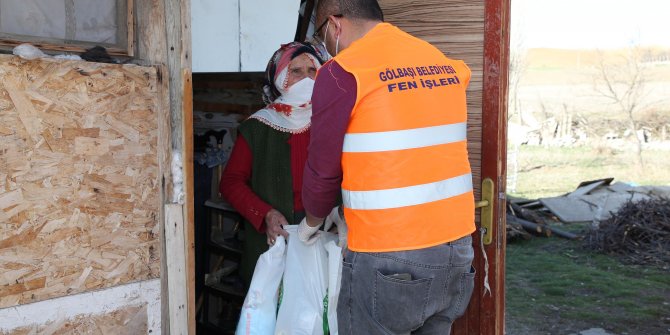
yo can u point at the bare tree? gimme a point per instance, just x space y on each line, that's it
517 67
517 62
621 81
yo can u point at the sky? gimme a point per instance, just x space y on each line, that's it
590 24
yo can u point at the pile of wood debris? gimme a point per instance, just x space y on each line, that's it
639 231
591 202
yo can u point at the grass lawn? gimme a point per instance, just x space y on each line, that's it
554 286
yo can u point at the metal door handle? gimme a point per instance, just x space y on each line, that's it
486 204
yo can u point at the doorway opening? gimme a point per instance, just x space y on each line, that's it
227 89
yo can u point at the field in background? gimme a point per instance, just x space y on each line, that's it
552 171
556 97
552 88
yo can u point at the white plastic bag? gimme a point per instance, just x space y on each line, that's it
305 283
258 316
28 51
334 283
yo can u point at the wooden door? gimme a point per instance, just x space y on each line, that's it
475 31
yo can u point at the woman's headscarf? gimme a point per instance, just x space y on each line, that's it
283 112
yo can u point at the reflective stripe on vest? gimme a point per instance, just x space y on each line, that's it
404 139
408 196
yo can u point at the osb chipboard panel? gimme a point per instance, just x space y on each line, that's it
79 186
456 27
129 320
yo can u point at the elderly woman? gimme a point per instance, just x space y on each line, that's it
263 178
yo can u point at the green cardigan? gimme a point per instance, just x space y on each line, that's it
271 180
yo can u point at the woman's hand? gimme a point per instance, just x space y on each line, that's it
274 222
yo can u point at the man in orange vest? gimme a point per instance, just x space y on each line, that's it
389 132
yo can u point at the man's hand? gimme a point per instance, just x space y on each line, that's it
333 219
336 218
308 228
274 222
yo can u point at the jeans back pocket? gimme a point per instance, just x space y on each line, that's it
459 291
400 305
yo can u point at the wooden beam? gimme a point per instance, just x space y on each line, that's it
175 60
176 269
10 41
217 107
130 30
189 191
178 29
304 23
151 46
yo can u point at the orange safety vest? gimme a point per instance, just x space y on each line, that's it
407 182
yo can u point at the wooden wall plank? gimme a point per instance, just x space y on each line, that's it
178 28
178 58
80 198
130 30
228 93
151 46
189 190
176 268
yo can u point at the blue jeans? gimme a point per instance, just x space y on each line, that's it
406 292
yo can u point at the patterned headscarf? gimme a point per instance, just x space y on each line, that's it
279 61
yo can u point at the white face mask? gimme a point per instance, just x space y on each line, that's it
298 93
322 46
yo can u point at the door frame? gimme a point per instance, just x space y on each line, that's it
494 153
486 311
